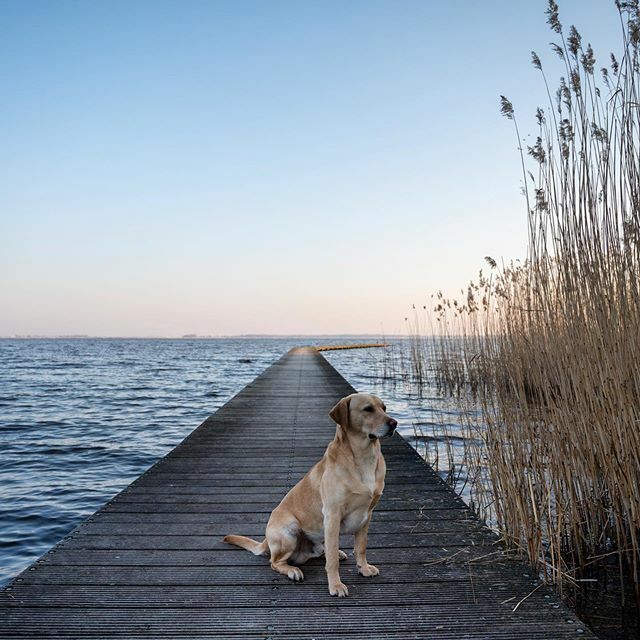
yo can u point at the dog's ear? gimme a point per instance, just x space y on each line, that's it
340 413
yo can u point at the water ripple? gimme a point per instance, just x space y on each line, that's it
81 419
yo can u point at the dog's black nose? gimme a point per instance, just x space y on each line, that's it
392 423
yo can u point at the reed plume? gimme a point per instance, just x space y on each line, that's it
551 346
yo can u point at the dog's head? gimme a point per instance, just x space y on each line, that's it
363 413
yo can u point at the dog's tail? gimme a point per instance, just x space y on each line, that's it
257 548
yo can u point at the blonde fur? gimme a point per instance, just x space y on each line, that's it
336 496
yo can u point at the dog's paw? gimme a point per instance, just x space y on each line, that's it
342 555
368 570
339 589
295 574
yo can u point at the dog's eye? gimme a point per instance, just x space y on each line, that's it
384 407
368 408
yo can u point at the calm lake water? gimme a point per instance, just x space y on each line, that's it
82 418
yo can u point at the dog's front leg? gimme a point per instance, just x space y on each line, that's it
360 551
331 553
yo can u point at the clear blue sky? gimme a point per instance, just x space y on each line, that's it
265 167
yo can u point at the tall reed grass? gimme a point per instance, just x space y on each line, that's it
550 348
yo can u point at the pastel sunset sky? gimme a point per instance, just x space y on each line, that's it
261 167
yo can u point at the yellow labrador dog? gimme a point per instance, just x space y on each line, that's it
336 496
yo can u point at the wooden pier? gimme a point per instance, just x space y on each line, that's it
151 563
342 347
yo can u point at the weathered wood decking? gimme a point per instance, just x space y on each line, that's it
151 563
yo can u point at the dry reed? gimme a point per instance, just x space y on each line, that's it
550 348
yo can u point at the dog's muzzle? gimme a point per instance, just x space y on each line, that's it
391 425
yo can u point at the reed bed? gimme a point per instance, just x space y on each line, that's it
550 348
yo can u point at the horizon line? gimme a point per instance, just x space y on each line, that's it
81 336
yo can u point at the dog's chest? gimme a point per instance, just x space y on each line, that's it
360 502
368 476
365 480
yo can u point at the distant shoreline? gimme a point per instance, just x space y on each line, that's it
242 336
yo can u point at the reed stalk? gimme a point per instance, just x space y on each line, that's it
550 348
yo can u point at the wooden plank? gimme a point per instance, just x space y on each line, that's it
151 563
439 518
205 507
222 596
448 539
146 528
235 557
379 620
405 573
